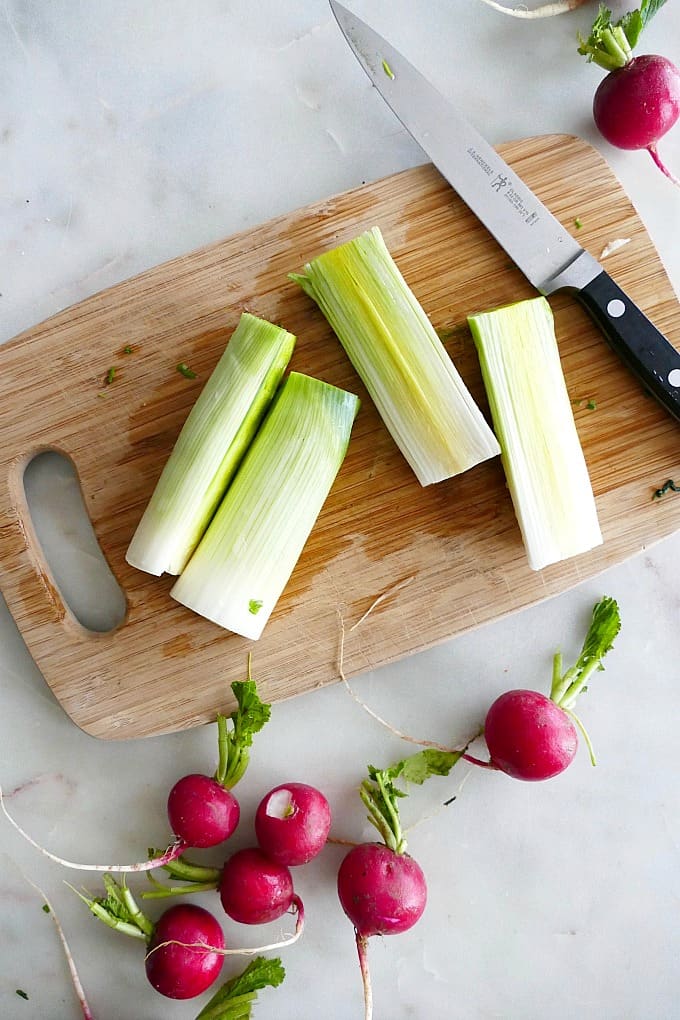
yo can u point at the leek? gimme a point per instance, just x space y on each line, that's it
248 553
213 440
541 452
403 364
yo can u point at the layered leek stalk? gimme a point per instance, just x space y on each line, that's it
210 446
246 557
403 364
532 415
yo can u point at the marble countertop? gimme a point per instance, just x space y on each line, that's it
133 133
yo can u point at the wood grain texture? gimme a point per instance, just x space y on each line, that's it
165 668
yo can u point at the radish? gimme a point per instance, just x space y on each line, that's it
381 888
292 823
176 965
531 736
185 945
383 892
202 810
639 100
253 889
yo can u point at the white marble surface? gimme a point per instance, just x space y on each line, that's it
130 133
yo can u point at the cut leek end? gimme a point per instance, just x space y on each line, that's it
210 446
394 348
244 561
540 448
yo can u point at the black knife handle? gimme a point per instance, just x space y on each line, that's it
636 340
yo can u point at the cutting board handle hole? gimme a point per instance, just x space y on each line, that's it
68 543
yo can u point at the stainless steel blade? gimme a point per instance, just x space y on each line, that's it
534 239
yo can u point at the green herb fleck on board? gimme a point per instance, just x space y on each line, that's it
110 375
184 370
668 486
254 606
578 222
22 994
128 349
591 405
388 70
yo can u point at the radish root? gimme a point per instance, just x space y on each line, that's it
545 11
75 978
288 940
362 950
379 719
175 849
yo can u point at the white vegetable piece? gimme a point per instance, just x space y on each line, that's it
248 553
210 446
393 346
533 419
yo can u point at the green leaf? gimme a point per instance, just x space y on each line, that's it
604 626
233 1001
420 766
118 909
648 8
380 794
247 720
252 713
611 44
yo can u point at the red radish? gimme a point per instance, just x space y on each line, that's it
531 736
638 104
292 823
639 100
176 966
382 892
202 811
380 887
185 946
254 889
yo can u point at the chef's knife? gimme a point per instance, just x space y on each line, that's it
534 239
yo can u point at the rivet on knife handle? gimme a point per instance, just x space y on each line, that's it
635 339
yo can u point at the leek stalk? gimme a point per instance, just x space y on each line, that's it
533 419
394 348
213 440
246 557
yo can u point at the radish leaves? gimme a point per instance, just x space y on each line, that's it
235 998
611 44
248 719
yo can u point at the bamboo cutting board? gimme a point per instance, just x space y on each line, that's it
456 544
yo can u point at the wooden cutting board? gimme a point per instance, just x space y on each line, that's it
457 543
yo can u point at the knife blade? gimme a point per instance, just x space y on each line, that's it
547 254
